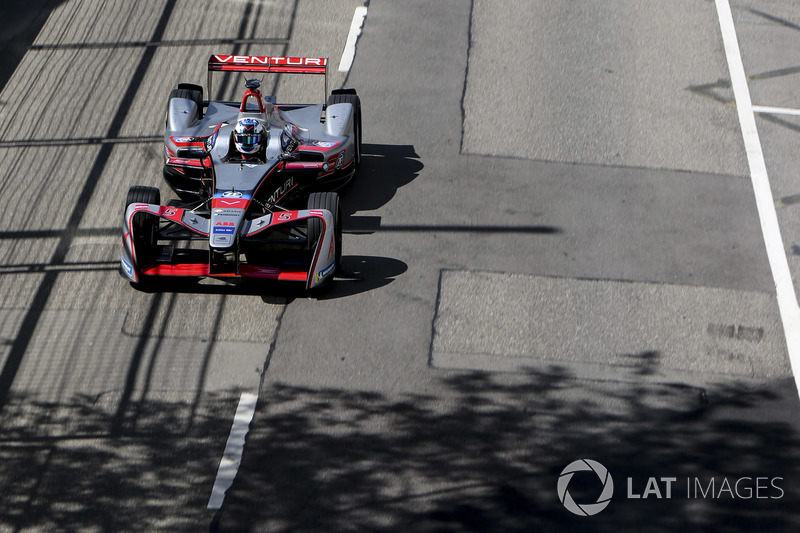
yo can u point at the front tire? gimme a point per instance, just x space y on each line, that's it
144 225
330 202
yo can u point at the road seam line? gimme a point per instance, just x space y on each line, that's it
770 229
232 456
349 52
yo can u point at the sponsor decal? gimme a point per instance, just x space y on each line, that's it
317 146
321 144
326 271
224 227
192 141
231 194
185 162
289 138
340 160
306 166
282 190
127 267
269 60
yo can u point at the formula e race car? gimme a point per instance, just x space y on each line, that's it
254 180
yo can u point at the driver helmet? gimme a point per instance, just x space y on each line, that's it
248 136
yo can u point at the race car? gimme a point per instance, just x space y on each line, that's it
255 181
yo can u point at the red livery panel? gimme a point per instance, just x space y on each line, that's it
231 203
180 162
297 65
202 269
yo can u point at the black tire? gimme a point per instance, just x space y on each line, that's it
145 225
356 101
197 95
189 94
329 201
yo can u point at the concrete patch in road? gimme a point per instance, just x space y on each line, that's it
599 83
605 329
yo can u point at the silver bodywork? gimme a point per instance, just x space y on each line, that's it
247 208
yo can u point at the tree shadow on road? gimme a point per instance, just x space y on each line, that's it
482 454
66 467
487 456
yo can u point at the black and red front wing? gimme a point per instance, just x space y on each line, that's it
321 266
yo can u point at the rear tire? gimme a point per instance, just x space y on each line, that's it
194 95
197 95
330 202
145 225
357 131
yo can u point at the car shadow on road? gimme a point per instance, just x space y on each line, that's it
384 169
362 274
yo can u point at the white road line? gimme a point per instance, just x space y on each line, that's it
232 456
787 299
776 110
350 46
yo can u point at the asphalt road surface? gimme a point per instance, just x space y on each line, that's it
556 297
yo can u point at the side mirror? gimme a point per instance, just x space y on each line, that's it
192 153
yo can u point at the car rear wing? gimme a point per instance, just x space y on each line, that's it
268 64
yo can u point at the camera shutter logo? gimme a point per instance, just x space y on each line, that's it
587 509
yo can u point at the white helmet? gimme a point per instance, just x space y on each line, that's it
248 136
